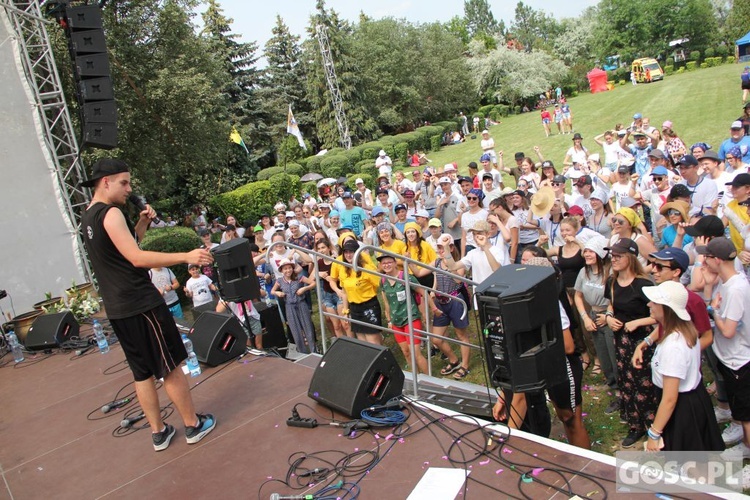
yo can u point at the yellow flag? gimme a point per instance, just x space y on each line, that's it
236 138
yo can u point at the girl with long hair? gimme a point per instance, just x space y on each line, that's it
499 207
528 226
599 221
418 249
530 175
548 173
627 224
685 419
628 317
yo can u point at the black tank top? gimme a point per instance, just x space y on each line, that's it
125 289
570 267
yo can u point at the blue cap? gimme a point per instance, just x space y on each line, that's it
637 116
660 170
378 211
334 213
485 157
675 254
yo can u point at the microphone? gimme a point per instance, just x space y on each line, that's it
115 404
276 496
140 204
128 422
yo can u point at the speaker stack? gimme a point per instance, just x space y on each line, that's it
521 328
51 330
354 375
217 338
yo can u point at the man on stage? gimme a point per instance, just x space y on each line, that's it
139 317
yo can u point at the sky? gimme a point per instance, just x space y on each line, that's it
253 20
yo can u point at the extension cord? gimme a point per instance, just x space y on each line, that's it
308 423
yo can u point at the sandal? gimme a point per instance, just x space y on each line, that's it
596 370
586 363
450 368
461 373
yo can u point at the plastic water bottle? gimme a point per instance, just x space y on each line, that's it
192 359
101 339
15 346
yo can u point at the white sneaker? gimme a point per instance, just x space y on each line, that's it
722 414
732 434
736 452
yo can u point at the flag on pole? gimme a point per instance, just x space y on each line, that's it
293 128
236 138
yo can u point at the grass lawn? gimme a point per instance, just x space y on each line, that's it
701 104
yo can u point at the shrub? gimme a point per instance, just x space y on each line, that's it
436 142
485 110
401 150
502 110
303 163
680 70
370 150
367 178
704 65
245 202
311 188
722 51
447 126
313 164
283 186
695 55
365 166
668 70
334 166
709 52
691 65
621 82
269 172
171 240
729 60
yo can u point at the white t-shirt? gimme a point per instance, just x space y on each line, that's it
585 204
734 352
619 191
674 358
477 262
383 164
200 288
725 194
552 229
578 156
611 153
499 242
704 195
468 220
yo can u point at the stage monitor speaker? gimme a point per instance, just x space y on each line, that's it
354 375
217 338
237 271
521 326
270 320
51 330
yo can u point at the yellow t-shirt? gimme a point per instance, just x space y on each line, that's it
734 234
428 254
358 289
338 269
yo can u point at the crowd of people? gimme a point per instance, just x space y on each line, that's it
651 243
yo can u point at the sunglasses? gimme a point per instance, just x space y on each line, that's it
658 178
472 197
729 157
617 220
557 183
672 211
660 267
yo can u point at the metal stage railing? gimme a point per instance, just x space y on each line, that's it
408 285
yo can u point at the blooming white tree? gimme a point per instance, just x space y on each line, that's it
509 75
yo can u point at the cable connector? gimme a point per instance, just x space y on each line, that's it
393 404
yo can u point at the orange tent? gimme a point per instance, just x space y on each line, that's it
597 80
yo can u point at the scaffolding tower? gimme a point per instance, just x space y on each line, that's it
29 26
333 87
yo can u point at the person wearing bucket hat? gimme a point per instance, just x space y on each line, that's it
137 312
684 419
470 217
628 317
673 235
577 153
591 305
292 287
542 201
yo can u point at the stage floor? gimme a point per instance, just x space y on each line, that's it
50 447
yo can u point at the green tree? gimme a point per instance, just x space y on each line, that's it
362 127
507 75
480 20
246 108
173 120
533 28
284 85
738 21
575 41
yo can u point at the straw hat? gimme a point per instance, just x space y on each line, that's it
679 205
542 201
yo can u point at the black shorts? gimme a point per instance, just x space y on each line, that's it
737 384
367 312
152 344
567 394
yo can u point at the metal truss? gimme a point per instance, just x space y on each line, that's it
333 87
29 25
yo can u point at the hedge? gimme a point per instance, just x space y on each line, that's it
729 60
695 55
436 142
368 179
334 166
690 65
313 164
246 202
291 168
171 240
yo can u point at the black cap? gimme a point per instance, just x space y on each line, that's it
623 169
688 160
679 191
464 178
740 180
548 164
577 136
398 207
103 168
559 179
722 248
708 225
624 245
350 245
381 191
487 175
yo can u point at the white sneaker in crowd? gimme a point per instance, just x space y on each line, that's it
722 414
732 434
737 452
